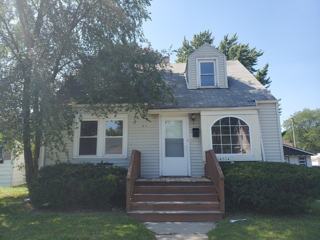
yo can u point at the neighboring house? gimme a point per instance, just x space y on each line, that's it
315 160
220 106
297 156
11 169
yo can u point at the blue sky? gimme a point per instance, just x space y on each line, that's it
287 31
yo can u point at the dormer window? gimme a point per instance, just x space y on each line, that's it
206 72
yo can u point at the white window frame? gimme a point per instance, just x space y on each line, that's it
233 154
101 137
215 73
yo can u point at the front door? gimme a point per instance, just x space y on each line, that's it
174 151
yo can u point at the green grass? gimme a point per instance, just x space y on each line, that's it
19 221
262 227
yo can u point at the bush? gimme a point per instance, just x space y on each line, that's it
270 187
72 186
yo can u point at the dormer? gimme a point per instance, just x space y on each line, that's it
206 68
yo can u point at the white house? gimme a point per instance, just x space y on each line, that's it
315 160
297 156
11 169
219 106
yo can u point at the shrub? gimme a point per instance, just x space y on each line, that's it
270 187
72 186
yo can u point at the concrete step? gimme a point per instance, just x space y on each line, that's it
176 216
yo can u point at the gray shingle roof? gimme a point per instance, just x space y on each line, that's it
243 89
289 151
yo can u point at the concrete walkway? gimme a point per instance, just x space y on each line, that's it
180 230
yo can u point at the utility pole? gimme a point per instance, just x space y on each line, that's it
293 133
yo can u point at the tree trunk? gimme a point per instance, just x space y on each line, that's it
26 130
38 132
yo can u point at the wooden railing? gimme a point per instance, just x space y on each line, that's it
133 174
213 171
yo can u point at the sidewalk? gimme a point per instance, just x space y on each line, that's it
180 230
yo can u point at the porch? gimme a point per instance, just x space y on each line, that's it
176 198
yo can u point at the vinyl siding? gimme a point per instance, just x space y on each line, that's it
196 158
18 171
270 132
295 160
5 173
12 171
143 135
207 51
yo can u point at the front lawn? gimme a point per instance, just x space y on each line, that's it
262 227
19 221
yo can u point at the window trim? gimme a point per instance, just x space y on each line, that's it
101 137
233 154
215 73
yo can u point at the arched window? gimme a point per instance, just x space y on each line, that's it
230 135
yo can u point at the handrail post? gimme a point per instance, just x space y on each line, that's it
214 172
133 174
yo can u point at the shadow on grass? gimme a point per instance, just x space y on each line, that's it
18 221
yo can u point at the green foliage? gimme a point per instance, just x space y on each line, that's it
270 187
135 77
44 44
262 76
306 124
72 186
188 47
238 51
232 49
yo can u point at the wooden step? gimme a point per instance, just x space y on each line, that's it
176 206
176 216
173 181
175 189
140 197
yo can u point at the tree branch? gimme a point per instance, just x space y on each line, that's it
13 40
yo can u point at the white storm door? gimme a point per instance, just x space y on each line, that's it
174 151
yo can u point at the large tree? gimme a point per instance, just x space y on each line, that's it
46 44
304 126
233 50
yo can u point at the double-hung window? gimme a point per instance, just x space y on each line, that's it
88 138
114 137
206 73
101 137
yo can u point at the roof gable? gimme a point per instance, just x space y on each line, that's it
206 53
208 49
